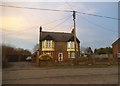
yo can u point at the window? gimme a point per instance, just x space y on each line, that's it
68 54
72 55
71 45
118 55
48 44
44 44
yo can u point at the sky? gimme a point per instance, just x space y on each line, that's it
20 27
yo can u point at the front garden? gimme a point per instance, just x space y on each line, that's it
46 60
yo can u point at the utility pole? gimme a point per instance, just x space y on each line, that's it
40 47
40 42
74 17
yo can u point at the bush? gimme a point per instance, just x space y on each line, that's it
45 57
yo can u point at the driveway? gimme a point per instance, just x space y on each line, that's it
29 73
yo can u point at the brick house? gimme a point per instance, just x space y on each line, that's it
116 48
59 44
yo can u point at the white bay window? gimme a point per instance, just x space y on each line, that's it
71 45
47 44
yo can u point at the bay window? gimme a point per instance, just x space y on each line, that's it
47 44
70 45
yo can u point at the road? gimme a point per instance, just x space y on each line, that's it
28 73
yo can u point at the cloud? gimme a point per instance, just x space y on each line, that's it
21 35
13 23
23 24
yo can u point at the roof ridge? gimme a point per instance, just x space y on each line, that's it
56 32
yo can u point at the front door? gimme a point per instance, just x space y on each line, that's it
60 57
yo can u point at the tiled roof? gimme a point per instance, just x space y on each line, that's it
57 36
117 41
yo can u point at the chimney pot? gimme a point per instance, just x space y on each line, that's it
40 28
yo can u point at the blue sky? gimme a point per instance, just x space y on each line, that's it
20 26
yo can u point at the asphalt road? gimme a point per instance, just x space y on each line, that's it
28 73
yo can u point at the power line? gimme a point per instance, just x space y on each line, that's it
98 25
12 31
54 21
98 15
69 4
35 8
61 22
61 11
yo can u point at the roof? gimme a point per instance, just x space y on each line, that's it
57 36
117 41
48 37
72 39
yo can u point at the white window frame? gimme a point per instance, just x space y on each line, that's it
48 44
73 55
68 54
60 57
69 45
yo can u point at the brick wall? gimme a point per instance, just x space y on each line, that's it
116 49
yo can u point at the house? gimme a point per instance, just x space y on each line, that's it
116 48
59 44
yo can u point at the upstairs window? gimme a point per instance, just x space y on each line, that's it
71 45
48 44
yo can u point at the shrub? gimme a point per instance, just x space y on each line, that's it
45 57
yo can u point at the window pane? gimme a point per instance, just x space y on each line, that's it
72 55
48 44
45 44
68 54
51 43
68 44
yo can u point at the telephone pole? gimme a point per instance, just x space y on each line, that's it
74 17
40 42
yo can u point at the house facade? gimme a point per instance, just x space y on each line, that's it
59 45
116 48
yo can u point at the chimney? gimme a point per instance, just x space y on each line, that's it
40 29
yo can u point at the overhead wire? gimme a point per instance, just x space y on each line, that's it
9 32
96 15
42 24
54 21
69 5
93 15
62 22
100 26
65 11
35 8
